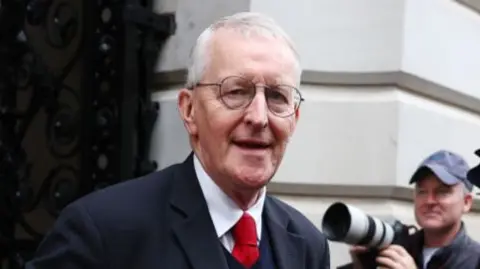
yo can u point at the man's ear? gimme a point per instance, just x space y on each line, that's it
297 114
187 110
468 201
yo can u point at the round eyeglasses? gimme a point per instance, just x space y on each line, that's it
239 92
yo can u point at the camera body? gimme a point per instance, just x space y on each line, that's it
473 174
347 224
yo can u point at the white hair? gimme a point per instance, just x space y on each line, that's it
245 23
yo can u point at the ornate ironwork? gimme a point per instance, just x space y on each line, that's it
75 107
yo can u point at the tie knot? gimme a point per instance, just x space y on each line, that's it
245 231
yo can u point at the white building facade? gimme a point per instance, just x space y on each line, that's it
386 83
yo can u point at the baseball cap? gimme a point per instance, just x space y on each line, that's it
473 174
449 167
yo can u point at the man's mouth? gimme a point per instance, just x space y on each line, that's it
252 144
431 214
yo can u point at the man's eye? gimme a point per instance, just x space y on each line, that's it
277 96
443 191
237 91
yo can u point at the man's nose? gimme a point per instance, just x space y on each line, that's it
430 199
256 114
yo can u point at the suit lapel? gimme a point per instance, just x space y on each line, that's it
288 248
192 224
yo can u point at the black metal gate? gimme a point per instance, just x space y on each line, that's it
75 107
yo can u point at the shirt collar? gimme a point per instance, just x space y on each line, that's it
223 210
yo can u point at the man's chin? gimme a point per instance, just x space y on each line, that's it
431 224
252 177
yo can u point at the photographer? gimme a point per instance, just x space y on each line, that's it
442 196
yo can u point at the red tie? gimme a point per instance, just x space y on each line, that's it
245 236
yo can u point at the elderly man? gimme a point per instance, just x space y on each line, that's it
442 196
240 108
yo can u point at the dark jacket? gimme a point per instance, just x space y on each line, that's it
162 221
462 253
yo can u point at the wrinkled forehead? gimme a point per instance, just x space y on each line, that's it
252 55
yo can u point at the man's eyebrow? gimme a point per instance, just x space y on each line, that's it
274 81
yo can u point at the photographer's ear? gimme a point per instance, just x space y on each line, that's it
467 201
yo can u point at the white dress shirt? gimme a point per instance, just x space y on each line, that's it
427 255
223 210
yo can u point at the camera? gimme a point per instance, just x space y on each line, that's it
348 224
473 174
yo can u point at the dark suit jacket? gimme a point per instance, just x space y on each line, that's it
162 221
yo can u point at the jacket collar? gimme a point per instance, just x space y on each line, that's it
443 254
195 232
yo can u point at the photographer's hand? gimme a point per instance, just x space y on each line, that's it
395 257
354 252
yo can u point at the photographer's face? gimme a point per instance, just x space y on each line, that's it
439 206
